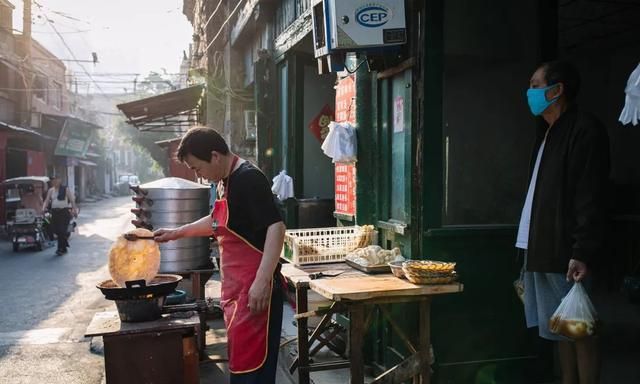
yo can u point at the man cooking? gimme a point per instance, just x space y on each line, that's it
247 224
563 220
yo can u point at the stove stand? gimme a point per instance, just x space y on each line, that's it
162 351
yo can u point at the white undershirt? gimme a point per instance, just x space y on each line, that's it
57 204
525 219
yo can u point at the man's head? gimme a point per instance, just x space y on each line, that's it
555 82
206 152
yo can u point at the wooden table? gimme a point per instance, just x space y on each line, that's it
351 292
162 351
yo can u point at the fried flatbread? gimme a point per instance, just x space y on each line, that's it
134 260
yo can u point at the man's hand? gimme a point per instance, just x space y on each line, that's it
75 212
577 270
259 295
163 235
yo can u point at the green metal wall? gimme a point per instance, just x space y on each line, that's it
479 336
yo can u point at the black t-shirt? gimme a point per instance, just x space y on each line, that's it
252 206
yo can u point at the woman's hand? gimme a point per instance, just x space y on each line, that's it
259 296
163 235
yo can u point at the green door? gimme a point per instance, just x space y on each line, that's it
395 184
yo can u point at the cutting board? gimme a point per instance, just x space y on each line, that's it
377 286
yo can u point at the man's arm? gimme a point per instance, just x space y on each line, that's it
199 228
590 167
260 290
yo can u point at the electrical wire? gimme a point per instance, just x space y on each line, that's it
223 25
46 32
212 14
61 14
68 48
351 72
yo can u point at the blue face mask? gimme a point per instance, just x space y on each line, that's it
538 102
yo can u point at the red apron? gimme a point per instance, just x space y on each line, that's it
247 334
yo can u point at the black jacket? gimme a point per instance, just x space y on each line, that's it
568 214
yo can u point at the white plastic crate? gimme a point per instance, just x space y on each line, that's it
324 245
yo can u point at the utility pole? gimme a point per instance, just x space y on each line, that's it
27 73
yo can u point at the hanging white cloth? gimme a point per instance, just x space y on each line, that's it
631 111
341 143
282 186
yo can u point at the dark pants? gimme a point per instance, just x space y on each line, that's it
267 373
60 221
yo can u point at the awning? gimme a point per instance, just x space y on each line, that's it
168 112
167 143
20 130
62 120
88 163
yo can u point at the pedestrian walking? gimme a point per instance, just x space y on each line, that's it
62 204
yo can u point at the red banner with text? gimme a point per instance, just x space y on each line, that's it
346 189
345 111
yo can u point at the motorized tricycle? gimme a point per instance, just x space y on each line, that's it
27 224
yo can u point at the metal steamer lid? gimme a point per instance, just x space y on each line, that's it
173 183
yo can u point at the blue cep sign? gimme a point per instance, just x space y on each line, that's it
373 16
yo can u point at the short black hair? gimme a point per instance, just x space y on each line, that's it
200 142
561 71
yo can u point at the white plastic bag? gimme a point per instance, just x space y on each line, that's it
631 111
282 186
575 317
340 143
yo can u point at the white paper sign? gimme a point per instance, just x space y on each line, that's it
398 115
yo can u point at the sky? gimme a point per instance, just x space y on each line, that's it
129 36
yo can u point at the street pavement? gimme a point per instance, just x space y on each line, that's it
47 301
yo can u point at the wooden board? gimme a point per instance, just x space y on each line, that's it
376 286
108 323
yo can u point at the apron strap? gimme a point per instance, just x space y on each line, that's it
223 186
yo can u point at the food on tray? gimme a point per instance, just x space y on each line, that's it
134 260
429 266
429 272
374 255
574 329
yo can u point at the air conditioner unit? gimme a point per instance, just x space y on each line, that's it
250 125
36 120
355 25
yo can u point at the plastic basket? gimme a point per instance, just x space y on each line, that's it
324 245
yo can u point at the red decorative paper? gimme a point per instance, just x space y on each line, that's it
319 126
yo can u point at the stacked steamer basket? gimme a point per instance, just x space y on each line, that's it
170 203
429 272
